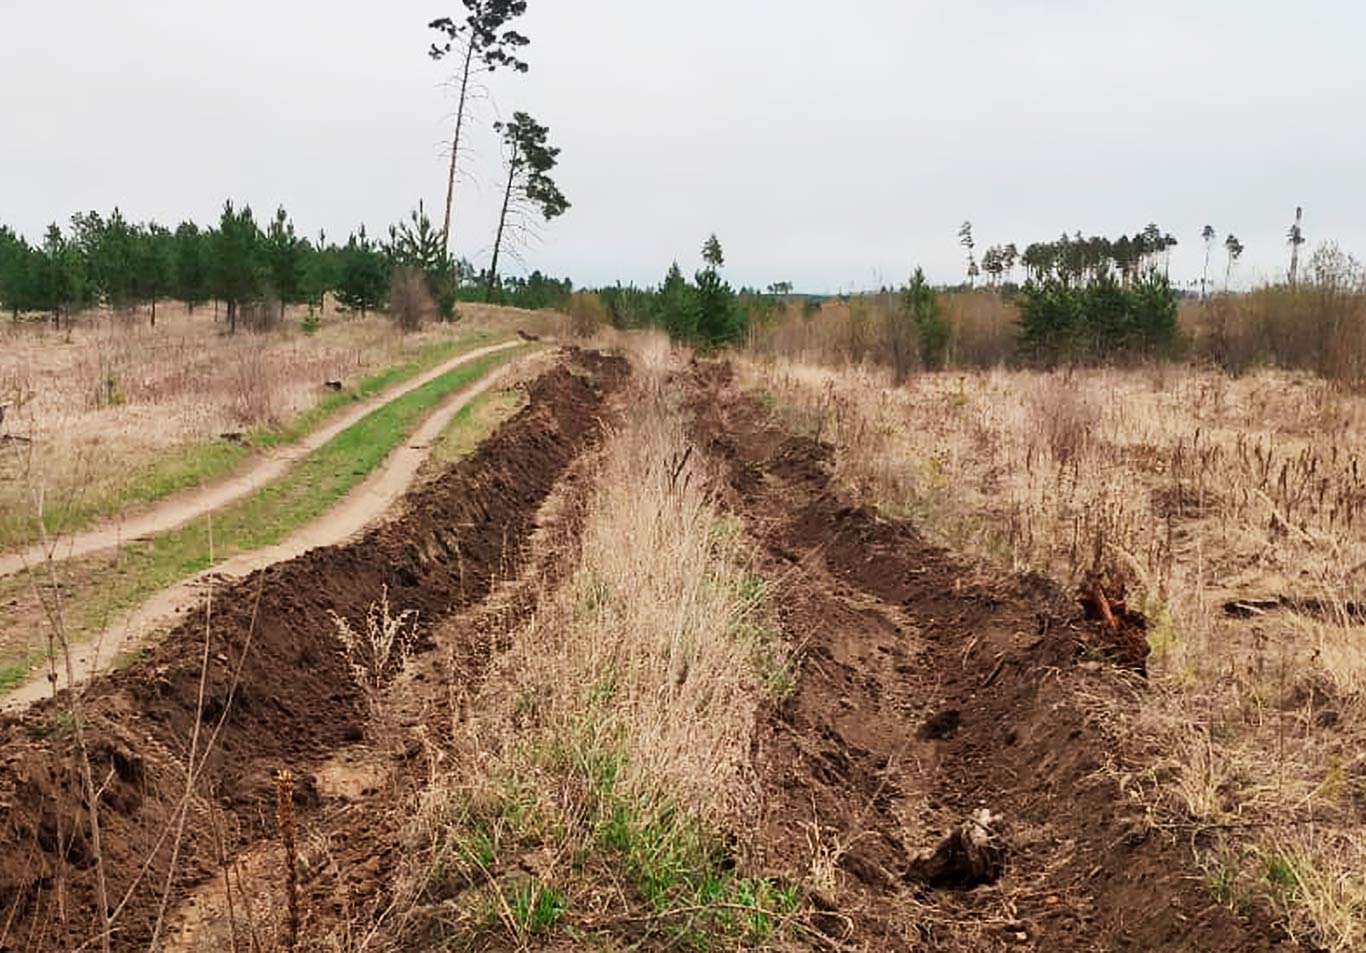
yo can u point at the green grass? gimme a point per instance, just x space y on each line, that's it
427 358
198 464
647 850
466 430
13 675
96 591
535 907
677 864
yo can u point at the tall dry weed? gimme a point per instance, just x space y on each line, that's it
587 314
873 329
657 648
614 732
410 299
253 390
1065 416
1235 505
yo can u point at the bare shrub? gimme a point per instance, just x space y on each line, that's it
1319 325
105 369
261 316
381 648
410 299
253 391
984 328
860 330
586 314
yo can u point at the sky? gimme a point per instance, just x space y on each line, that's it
833 145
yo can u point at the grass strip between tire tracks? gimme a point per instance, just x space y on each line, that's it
197 464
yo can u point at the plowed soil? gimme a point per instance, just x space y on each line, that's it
276 691
927 692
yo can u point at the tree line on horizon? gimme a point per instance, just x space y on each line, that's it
109 261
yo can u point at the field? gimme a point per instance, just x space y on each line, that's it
1227 511
743 651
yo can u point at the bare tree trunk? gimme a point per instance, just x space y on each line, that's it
455 150
232 317
154 312
502 222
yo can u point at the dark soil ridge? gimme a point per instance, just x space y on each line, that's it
277 692
372 852
929 690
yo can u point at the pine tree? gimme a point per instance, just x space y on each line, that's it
416 244
17 266
920 306
529 188
363 274
153 266
190 265
61 283
676 306
966 240
1296 238
720 319
1235 251
1208 234
236 269
283 254
481 42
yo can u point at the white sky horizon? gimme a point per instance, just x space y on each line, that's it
836 147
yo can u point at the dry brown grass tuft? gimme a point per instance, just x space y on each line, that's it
611 739
410 299
1208 490
587 314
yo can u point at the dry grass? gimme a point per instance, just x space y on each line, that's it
587 314
410 299
106 403
1206 490
608 749
858 330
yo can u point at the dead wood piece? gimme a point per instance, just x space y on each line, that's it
972 854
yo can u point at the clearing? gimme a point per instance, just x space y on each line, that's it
635 673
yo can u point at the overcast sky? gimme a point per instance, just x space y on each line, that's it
832 144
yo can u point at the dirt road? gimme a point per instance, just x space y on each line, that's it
263 674
258 472
363 506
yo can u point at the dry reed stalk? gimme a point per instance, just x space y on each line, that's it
284 816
